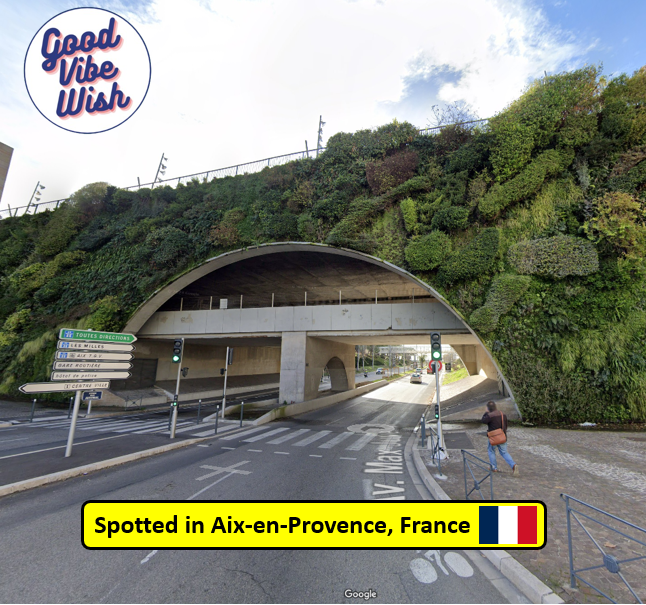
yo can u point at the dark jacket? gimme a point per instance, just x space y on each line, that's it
495 420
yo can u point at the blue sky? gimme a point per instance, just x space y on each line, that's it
238 80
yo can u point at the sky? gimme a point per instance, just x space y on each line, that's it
240 80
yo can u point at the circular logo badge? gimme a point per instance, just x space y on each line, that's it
87 70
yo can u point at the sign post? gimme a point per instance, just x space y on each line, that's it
441 453
75 414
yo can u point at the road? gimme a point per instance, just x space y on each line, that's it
323 455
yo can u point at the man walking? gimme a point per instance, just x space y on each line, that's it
496 423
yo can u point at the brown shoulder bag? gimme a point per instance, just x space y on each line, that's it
498 436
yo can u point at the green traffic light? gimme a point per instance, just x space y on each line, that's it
176 358
437 354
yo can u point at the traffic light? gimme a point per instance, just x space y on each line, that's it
437 411
174 404
178 345
436 346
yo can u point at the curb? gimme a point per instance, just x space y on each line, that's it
523 579
26 484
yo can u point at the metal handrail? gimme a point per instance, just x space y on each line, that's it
247 168
609 562
477 463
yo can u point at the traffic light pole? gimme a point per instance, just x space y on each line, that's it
173 424
441 454
226 373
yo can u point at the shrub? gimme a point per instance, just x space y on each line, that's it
455 218
427 252
555 257
167 246
475 259
226 234
526 183
505 290
409 212
393 171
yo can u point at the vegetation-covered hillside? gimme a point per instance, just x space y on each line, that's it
533 227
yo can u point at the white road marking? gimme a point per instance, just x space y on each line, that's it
400 483
245 433
335 420
458 564
228 448
285 453
202 445
288 437
435 554
19 439
59 447
259 451
212 432
367 489
311 438
269 434
361 442
315 456
158 426
335 441
218 470
423 571
342 458
149 556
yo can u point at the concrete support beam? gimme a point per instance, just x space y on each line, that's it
303 360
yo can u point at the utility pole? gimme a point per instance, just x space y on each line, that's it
319 141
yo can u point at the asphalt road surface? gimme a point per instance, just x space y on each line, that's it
327 454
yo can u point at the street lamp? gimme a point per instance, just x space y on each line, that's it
35 196
161 169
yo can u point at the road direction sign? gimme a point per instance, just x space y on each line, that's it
55 387
66 345
70 376
91 336
91 365
92 356
91 395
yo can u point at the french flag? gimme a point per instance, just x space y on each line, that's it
508 524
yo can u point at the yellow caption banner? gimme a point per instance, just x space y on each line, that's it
313 525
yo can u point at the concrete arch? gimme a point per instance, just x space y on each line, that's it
338 375
165 293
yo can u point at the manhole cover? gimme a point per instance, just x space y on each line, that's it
457 441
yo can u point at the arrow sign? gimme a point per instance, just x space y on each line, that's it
55 387
91 365
93 346
90 335
89 376
100 356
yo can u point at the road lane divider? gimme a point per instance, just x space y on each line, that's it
347 524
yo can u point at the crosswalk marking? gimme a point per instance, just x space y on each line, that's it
336 440
288 437
269 434
221 429
311 438
245 433
360 443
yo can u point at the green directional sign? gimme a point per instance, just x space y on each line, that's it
92 336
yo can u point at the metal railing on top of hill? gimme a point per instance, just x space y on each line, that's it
218 173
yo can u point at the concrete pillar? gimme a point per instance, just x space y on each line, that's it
303 360
485 365
468 356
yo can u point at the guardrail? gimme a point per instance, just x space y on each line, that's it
471 462
246 168
609 562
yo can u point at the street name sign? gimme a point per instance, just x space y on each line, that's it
90 335
89 376
91 365
91 356
93 346
91 395
55 387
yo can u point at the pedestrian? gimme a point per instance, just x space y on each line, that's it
496 423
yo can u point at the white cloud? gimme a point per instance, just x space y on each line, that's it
238 80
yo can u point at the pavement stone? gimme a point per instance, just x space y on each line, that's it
606 469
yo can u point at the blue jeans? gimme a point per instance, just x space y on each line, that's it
503 452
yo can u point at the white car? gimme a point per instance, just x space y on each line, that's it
416 378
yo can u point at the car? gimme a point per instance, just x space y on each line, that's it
380 371
416 378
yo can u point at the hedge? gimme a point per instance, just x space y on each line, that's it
427 252
555 257
505 290
476 258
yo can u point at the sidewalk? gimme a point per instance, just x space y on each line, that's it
604 469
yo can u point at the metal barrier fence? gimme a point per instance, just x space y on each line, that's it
609 562
471 462
247 168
